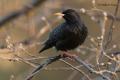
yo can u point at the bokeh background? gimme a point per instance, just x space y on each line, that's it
30 27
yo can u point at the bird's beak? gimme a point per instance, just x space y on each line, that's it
59 14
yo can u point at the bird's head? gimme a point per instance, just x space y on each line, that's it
69 15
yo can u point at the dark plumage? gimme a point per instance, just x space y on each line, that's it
68 35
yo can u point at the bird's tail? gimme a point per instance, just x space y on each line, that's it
44 48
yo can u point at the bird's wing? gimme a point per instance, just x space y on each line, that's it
59 33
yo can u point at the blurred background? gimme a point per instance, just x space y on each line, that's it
24 36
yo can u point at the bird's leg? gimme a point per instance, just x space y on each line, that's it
68 55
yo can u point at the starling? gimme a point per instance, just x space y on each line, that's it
68 35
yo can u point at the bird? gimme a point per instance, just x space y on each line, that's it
68 35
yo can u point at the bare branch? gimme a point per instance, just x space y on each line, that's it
42 65
25 10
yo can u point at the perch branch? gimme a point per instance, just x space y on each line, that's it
44 64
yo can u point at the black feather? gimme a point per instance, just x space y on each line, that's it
44 48
69 34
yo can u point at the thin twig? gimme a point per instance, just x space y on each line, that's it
76 69
90 69
109 37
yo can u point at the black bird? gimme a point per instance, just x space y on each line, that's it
68 35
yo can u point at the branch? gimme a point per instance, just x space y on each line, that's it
44 64
109 37
90 69
77 59
76 69
25 10
98 13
